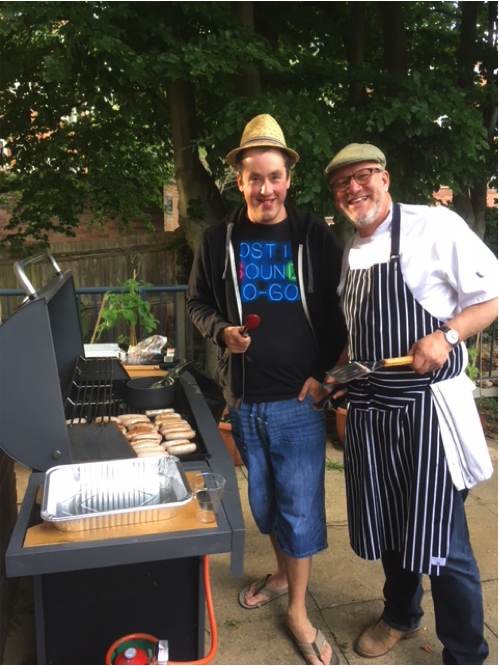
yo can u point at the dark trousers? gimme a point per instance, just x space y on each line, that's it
456 592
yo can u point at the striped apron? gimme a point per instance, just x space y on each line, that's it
399 490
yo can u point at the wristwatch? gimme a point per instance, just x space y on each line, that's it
451 336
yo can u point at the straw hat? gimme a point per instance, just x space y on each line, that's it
262 132
356 152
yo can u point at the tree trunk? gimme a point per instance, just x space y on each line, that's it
249 81
466 52
394 37
462 206
395 57
472 205
490 71
355 51
478 197
200 203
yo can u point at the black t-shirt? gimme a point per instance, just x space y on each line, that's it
283 352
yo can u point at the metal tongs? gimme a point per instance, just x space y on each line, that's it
357 369
345 374
171 376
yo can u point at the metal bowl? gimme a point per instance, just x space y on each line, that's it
140 395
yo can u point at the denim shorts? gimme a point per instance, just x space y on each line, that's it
283 446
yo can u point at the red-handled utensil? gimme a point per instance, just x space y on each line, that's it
251 322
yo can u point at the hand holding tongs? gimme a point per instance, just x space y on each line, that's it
345 374
357 369
332 388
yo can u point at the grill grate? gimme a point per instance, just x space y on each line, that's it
94 392
96 395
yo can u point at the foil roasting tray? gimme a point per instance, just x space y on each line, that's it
114 493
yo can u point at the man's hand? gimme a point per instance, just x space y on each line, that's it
314 388
320 395
234 340
430 353
317 392
342 388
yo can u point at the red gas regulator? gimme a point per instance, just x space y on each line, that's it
132 655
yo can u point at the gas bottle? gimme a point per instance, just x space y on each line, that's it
132 655
156 649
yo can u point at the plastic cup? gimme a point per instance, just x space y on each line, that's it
208 490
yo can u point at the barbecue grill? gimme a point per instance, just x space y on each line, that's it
48 388
51 401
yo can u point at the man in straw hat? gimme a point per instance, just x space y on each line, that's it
271 260
415 281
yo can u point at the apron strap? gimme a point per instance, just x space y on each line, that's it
395 249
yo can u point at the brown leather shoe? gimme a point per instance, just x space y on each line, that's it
379 638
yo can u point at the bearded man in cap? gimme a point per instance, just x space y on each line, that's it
271 260
415 281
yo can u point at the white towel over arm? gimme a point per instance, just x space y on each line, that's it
463 439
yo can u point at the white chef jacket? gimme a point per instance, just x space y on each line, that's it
447 268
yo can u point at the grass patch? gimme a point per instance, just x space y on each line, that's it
335 467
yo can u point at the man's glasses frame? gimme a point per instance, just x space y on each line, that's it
361 177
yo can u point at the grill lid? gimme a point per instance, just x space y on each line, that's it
41 344
50 394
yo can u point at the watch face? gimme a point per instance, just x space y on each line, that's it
451 336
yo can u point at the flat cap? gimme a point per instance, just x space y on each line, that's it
356 152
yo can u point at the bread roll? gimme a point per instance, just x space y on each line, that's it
141 426
181 449
128 419
178 425
173 416
179 434
137 437
147 444
149 454
157 412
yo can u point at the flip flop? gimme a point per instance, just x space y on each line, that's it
315 648
261 588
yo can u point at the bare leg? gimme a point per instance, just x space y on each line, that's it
298 573
277 581
294 574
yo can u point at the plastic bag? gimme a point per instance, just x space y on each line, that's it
146 350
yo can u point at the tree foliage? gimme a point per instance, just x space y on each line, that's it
103 102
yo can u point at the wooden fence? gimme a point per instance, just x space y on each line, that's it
97 263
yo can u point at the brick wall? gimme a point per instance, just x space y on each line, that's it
162 221
445 196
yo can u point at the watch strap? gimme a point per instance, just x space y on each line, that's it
451 335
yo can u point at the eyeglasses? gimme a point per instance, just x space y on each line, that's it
361 177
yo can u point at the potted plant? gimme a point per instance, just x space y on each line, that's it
126 306
341 419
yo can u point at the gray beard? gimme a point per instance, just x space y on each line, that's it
369 219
